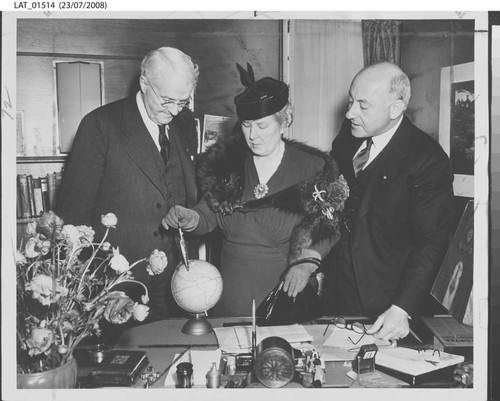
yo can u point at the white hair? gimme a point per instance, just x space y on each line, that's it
172 59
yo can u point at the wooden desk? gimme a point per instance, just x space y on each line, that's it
163 339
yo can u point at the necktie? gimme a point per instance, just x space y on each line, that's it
164 143
359 161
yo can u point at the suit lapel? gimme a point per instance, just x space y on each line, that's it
141 147
387 163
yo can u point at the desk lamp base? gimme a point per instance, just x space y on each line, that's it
197 325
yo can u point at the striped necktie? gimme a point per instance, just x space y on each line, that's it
359 161
164 144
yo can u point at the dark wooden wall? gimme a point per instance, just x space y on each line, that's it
215 45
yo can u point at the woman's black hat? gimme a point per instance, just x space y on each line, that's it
260 99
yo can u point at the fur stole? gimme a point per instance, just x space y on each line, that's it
320 199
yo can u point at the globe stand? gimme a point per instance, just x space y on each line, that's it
198 325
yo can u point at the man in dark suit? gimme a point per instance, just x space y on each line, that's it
133 158
400 207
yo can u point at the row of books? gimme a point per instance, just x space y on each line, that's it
36 195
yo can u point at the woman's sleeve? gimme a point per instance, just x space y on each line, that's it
324 246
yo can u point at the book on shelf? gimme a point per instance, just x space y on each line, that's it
22 184
44 183
51 184
31 195
37 196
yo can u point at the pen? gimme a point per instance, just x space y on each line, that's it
254 330
184 249
414 335
177 359
178 346
328 325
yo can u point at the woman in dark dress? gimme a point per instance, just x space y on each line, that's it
275 200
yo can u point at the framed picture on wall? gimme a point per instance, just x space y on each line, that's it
456 124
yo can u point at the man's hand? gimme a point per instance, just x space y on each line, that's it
391 325
182 217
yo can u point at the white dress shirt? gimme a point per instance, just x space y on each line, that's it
379 143
150 125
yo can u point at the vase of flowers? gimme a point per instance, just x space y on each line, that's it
66 284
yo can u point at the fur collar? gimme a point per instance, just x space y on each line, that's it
320 199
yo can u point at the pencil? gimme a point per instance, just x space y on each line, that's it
254 330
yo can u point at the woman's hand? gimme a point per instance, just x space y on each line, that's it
297 277
182 217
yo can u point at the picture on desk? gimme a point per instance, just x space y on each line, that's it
453 285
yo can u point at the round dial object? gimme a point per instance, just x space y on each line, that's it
274 364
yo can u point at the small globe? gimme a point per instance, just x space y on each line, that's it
198 289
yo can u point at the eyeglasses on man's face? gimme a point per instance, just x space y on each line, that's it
357 327
166 101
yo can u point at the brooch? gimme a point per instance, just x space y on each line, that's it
260 190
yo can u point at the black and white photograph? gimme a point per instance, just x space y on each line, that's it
274 204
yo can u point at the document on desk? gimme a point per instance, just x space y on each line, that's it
339 347
414 362
202 362
239 338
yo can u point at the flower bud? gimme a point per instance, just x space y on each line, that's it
62 349
118 262
157 262
140 312
31 228
109 220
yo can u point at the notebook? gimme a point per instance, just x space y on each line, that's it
449 331
414 362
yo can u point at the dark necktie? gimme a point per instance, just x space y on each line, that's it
361 157
164 144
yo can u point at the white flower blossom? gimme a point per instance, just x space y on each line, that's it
118 262
109 220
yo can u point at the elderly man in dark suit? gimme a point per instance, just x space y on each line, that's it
133 157
400 205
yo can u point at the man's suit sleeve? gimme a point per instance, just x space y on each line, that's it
430 217
208 220
82 174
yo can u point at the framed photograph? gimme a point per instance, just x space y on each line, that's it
456 124
213 126
454 282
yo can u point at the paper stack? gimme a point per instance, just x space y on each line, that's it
238 339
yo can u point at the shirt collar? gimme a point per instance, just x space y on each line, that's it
380 141
150 125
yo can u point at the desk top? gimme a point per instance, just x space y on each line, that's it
163 339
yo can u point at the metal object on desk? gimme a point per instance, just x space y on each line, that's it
98 352
185 375
213 377
274 365
365 360
150 376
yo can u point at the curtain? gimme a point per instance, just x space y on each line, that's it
324 57
381 41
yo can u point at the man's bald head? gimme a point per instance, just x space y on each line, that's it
378 96
397 82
